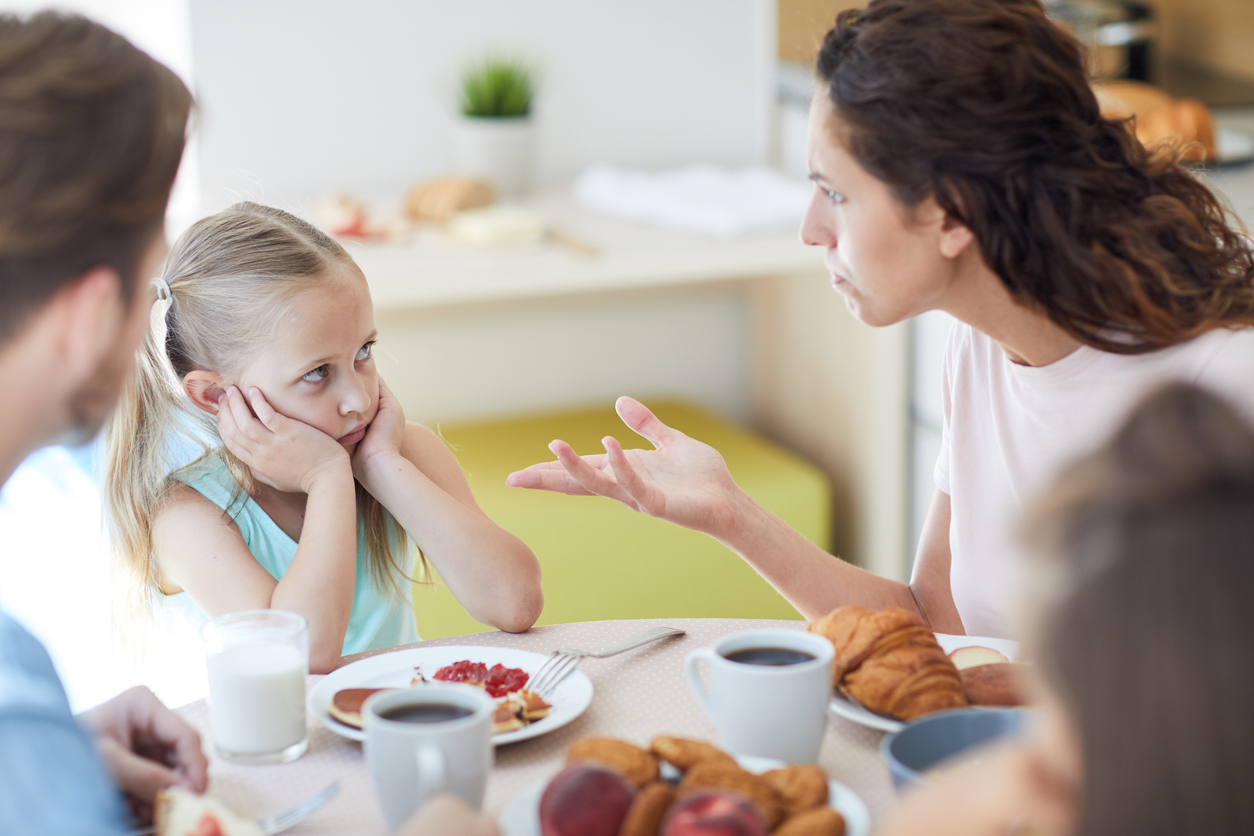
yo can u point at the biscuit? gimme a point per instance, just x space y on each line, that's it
345 704
714 775
683 753
799 787
637 765
644 817
821 821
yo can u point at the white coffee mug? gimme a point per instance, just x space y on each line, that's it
427 740
772 703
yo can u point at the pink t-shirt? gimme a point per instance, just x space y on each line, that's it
1009 429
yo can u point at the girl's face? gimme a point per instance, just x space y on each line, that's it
888 261
319 369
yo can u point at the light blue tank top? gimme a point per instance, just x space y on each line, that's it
379 618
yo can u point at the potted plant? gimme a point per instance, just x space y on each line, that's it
494 134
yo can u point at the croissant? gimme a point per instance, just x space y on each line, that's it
890 662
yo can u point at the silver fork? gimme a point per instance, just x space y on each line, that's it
285 820
563 662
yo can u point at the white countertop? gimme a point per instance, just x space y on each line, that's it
435 271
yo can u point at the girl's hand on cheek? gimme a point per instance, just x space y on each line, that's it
383 437
284 453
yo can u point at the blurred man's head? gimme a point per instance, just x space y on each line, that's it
91 133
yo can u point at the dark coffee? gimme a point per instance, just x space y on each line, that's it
427 712
773 656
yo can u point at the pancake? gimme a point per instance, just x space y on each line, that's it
345 706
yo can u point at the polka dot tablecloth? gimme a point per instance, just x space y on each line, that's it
638 694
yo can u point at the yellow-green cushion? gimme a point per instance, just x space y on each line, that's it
600 559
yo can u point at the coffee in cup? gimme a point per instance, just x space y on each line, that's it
768 692
427 740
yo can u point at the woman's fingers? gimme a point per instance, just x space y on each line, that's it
593 479
550 476
627 477
643 422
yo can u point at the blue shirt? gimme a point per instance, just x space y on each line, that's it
51 779
378 618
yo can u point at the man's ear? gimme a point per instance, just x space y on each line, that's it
204 388
93 317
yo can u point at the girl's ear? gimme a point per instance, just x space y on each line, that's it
204 388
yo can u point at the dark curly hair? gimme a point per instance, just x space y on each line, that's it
985 106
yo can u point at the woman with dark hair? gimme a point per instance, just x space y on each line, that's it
1144 622
961 163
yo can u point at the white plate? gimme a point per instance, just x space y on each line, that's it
850 710
396 669
521 817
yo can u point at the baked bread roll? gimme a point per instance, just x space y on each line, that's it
996 684
890 662
439 200
1159 117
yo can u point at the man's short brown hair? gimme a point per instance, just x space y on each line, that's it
91 133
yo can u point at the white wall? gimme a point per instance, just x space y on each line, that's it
303 97
477 364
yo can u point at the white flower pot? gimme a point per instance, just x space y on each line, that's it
499 150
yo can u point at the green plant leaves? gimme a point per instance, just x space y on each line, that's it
498 87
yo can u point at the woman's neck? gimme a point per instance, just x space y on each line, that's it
1028 337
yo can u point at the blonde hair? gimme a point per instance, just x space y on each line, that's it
230 276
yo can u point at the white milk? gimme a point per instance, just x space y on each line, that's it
257 697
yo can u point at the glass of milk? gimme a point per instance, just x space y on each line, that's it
257 662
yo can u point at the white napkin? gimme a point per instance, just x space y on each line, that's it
705 199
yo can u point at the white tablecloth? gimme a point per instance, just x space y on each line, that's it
639 694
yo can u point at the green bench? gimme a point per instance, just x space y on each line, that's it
602 560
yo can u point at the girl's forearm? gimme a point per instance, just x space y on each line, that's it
321 581
490 571
812 580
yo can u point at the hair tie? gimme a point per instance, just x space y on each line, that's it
163 289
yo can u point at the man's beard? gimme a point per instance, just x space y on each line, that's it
91 405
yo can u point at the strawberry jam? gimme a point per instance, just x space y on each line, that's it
497 680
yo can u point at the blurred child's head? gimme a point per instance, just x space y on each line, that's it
262 299
1147 618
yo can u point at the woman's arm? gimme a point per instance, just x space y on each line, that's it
199 549
490 571
687 483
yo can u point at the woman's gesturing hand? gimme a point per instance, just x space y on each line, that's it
284 453
682 480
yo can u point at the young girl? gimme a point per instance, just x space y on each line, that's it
314 481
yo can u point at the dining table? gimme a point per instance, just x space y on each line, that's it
637 695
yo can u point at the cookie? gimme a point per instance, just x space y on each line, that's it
821 821
644 817
799 787
714 775
683 753
637 765
345 704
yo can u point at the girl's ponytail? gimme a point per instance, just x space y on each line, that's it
151 413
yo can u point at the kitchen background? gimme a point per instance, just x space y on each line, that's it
299 99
